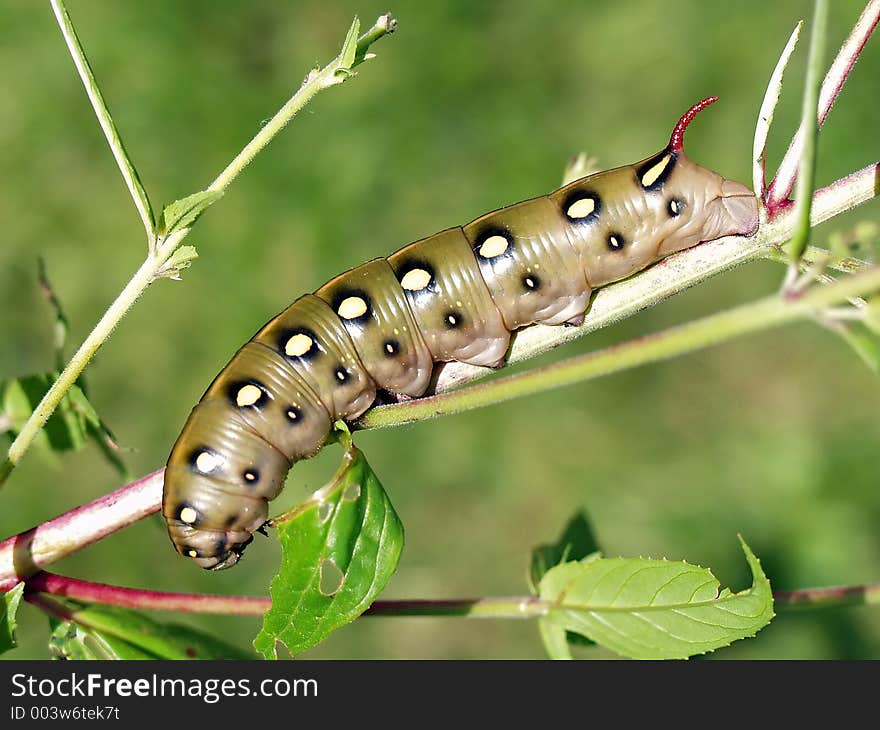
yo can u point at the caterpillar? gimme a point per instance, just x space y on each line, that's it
382 326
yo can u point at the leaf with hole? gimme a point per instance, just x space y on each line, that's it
339 549
655 609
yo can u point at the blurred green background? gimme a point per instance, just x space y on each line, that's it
469 106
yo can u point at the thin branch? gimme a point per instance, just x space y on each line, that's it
32 550
129 174
783 183
81 590
507 607
807 175
153 266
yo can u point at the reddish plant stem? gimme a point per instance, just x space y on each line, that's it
783 182
28 552
509 607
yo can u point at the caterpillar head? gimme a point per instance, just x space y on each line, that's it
695 204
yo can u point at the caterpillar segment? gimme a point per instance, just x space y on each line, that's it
382 326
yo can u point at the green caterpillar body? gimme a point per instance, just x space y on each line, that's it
456 295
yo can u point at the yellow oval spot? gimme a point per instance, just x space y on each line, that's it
248 395
650 177
192 553
292 414
674 207
493 246
188 515
206 462
298 345
581 208
389 348
415 279
352 308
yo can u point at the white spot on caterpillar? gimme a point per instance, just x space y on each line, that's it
674 207
415 279
650 177
493 246
340 375
615 242
389 348
530 282
298 345
248 395
451 319
292 414
581 208
206 462
188 515
352 308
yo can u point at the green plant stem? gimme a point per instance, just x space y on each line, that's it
129 174
157 257
763 314
810 125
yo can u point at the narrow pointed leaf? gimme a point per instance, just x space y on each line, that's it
349 45
339 549
655 609
8 609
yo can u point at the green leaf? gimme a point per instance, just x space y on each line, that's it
183 213
575 543
339 549
181 259
555 639
68 640
349 46
655 609
70 426
11 601
108 632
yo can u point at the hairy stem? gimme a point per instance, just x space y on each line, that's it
158 256
129 174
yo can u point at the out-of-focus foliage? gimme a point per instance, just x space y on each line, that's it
469 106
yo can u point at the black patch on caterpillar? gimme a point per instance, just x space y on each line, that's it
674 207
230 521
294 414
616 241
342 294
390 348
186 505
453 319
576 196
409 264
233 388
664 173
219 546
251 477
531 282
284 337
193 457
487 233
